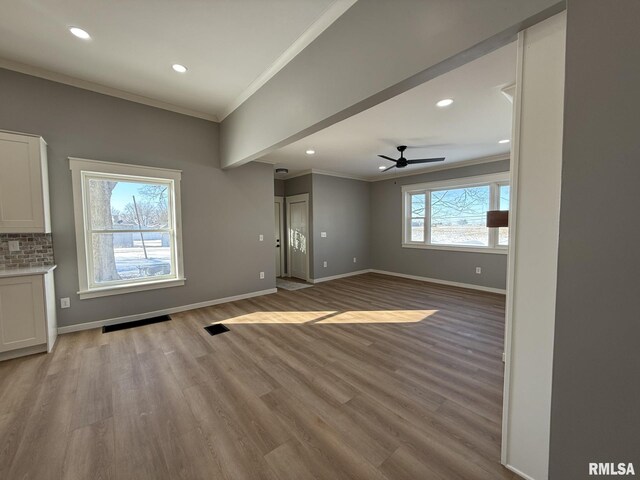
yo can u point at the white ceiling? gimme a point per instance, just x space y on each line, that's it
468 129
226 44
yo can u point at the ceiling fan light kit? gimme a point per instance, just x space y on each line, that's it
403 162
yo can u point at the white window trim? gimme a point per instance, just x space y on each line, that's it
79 168
496 179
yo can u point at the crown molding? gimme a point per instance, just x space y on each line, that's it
103 89
289 176
509 92
324 172
340 175
464 163
330 15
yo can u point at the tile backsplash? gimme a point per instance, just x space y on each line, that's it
36 250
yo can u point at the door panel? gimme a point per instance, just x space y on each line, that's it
298 239
278 229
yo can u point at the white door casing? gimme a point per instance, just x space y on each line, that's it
279 224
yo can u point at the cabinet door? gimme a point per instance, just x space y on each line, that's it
21 187
22 318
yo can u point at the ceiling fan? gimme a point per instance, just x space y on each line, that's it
403 162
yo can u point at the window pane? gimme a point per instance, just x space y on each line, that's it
505 191
503 232
128 205
503 236
417 229
458 216
418 205
121 256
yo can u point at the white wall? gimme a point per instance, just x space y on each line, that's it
536 174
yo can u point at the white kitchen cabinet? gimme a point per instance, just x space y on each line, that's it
24 184
27 312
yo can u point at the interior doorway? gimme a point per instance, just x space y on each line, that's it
279 235
298 240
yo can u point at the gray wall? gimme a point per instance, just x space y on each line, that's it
386 235
223 212
364 220
278 187
341 208
355 64
595 409
298 185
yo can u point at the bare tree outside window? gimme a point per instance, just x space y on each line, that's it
458 216
127 222
104 261
131 231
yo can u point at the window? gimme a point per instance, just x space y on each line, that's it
127 227
452 214
504 192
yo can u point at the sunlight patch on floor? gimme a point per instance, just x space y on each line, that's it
332 317
379 316
280 317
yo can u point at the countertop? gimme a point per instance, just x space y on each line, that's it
22 272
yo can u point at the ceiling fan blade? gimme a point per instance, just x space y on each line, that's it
388 158
388 168
425 160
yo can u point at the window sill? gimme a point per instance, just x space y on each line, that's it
130 288
454 248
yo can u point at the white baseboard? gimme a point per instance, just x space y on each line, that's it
167 311
442 282
336 277
518 472
412 277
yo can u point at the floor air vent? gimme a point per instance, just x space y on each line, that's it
216 329
137 323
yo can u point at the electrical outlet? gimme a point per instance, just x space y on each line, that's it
355 259
324 264
261 238
323 234
261 275
14 246
478 270
65 302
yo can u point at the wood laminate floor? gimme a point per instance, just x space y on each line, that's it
370 377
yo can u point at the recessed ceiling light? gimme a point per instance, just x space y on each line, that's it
506 140
445 102
310 152
381 167
80 33
179 68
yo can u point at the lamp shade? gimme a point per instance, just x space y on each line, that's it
497 218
